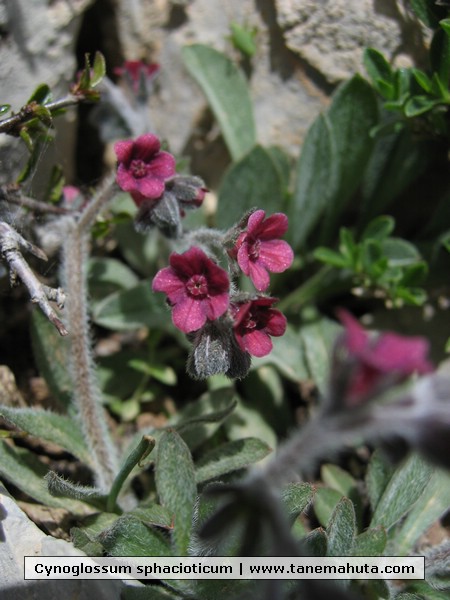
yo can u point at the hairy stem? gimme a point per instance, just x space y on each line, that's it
86 391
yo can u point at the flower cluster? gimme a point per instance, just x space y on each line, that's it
224 325
149 175
227 326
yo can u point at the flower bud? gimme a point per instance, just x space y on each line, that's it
188 190
163 214
215 352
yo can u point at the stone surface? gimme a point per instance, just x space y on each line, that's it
285 100
331 35
20 537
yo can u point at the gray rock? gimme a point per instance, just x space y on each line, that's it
331 35
20 537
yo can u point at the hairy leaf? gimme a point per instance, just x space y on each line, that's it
175 484
226 89
229 457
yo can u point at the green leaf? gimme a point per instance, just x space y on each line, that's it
325 502
26 472
316 181
132 309
396 162
51 427
338 479
243 39
426 592
283 162
418 105
153 514
109 275
175 484
4 108
55 185
163 373
296 497
200 419
226 89
399 252
378 475
341 530
41 94
428 12
430 506
85 536
44 115
128 536
317 339
256 181
98 69
149 592
377 66
63 488
371 542
26 137
379 228
440 56
315 544
422 79
229 457
403 490
352 115
53 366
331 257
248 420
287 355
133 459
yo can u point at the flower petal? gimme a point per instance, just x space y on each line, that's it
124 150
146 146
273 227
356 337
243 258
162 165
167 281
276 255
254 222
406 355
217 305
259 276
257 343
276 324
189 314
124 179
150 188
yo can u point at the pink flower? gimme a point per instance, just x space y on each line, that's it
196 288
258 250
388 359
143 167
137 70
254 322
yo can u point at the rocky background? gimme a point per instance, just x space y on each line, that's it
304 49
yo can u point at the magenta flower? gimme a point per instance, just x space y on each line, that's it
258 249
137 70
196 288
143 167
386 360
254 322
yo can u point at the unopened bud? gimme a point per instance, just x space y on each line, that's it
164 214
188 190
215 352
